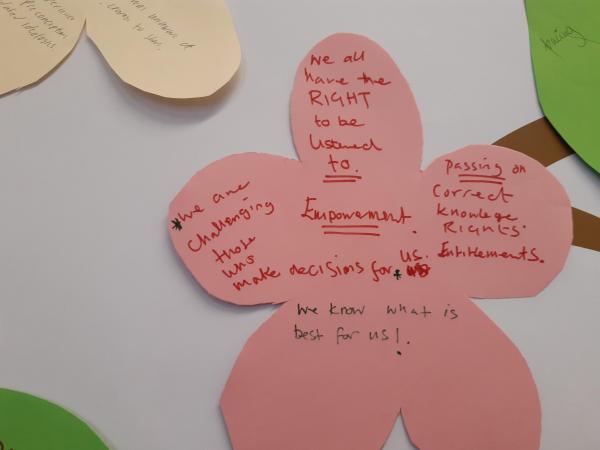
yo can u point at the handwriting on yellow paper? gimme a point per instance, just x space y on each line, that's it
48 22
153 26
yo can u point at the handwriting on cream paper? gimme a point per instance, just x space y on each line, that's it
37 36
177 49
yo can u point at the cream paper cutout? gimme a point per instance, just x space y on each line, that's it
36 36
174 48
171 48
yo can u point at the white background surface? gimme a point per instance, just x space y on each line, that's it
97 313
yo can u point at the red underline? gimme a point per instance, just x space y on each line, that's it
351 233
349 226
496 177
481 176
481 181
339 181
358 177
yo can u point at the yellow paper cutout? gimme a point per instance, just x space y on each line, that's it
36 35
175 48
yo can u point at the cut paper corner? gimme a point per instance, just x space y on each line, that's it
185 50
34 54
39 80
181 52
377 260
31 423
565 52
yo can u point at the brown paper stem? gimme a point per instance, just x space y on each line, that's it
539 140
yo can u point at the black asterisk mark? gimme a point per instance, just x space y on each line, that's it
176 225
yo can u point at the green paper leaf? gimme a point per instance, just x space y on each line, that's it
30 423
565 49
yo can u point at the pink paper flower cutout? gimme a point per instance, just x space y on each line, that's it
374 261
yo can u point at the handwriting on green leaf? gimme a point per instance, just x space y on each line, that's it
565 49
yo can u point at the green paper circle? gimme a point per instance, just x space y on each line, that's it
30 423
